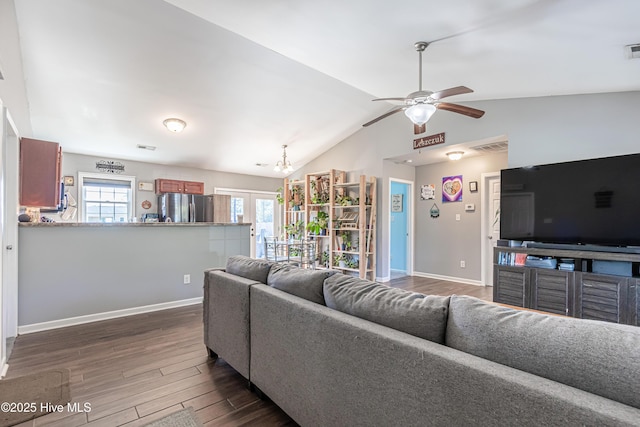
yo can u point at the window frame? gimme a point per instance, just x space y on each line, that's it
131 208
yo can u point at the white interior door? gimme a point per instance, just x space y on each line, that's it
261 209
490 223
8 234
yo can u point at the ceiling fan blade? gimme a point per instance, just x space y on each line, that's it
460 109
387 114
418 129
458 90
389 99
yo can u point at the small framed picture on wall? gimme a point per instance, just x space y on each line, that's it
473 186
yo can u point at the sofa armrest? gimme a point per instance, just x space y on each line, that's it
226 317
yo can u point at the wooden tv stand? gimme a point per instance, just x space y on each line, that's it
579 293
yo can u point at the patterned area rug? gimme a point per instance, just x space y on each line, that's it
184 418
31 396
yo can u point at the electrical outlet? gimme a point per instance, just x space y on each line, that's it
187 279
457 217
463 264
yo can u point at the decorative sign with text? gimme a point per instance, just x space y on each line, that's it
110 166
427 141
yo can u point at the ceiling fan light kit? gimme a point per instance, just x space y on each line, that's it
284 165
419 106
420 113
174 125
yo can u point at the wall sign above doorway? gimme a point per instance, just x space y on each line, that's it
427 141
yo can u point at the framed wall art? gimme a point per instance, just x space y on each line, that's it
428 192
396 203
452 189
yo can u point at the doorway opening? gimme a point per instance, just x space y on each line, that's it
400 228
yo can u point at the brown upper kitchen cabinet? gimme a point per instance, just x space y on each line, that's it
40 173
175 186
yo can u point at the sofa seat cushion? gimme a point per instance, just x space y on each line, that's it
598 357
298 281
423 316
249 268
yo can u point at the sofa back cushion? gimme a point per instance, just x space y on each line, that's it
300 282
249 268
423 316
598 357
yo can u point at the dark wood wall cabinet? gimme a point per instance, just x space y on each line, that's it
175 186
40 173
580 292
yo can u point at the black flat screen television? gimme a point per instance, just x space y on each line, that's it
594 201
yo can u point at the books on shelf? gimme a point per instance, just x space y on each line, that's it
512 258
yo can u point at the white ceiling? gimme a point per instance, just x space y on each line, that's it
250 75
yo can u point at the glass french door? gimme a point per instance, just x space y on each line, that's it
261 210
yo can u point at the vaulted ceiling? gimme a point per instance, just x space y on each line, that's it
251 75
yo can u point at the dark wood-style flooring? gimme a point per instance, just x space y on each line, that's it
137 369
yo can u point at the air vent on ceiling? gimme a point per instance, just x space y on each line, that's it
493 147
633 51
146 147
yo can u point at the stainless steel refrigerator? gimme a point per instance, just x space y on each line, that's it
178 207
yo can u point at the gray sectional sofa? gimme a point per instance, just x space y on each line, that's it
333 350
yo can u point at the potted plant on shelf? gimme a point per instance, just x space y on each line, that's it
295 230
346 245
340 261
324 259
297 197
344 201
319 224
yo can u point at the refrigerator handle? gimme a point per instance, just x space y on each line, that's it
192 212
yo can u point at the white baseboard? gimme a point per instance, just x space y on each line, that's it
5 368
383 279
449 278
61 323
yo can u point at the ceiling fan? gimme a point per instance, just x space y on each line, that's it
419 106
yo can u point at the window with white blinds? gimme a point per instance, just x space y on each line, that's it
106 199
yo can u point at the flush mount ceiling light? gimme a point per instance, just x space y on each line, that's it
174 125
455 155
283 165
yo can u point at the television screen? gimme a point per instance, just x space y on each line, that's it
594 201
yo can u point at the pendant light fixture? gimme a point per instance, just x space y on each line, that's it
284 165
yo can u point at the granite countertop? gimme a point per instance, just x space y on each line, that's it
128 224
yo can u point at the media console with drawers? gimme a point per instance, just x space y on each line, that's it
584 284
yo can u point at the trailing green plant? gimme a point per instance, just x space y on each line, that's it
280 196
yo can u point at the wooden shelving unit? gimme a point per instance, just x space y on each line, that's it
349 242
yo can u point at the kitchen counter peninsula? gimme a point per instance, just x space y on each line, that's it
131 224
71 273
